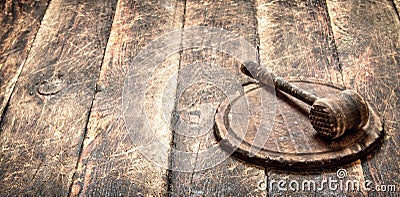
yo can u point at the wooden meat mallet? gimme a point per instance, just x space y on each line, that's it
330 117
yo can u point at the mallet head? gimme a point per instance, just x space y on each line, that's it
331 117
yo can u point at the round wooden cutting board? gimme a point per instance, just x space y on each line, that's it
273 130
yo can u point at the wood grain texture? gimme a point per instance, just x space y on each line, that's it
197 101
397 7
19 22
368 39
110 163
296 40
42 131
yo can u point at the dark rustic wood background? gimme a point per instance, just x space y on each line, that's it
62 74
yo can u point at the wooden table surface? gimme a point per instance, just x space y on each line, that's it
63 65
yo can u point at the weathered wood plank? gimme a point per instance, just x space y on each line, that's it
19 23
397 7
43 128
368 38
111 164
296 40
199 94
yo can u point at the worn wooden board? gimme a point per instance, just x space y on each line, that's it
198 95
16 38
397 7
368 43
296 40
46 121
43 128
110 163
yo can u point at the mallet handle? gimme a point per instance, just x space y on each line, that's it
265 77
